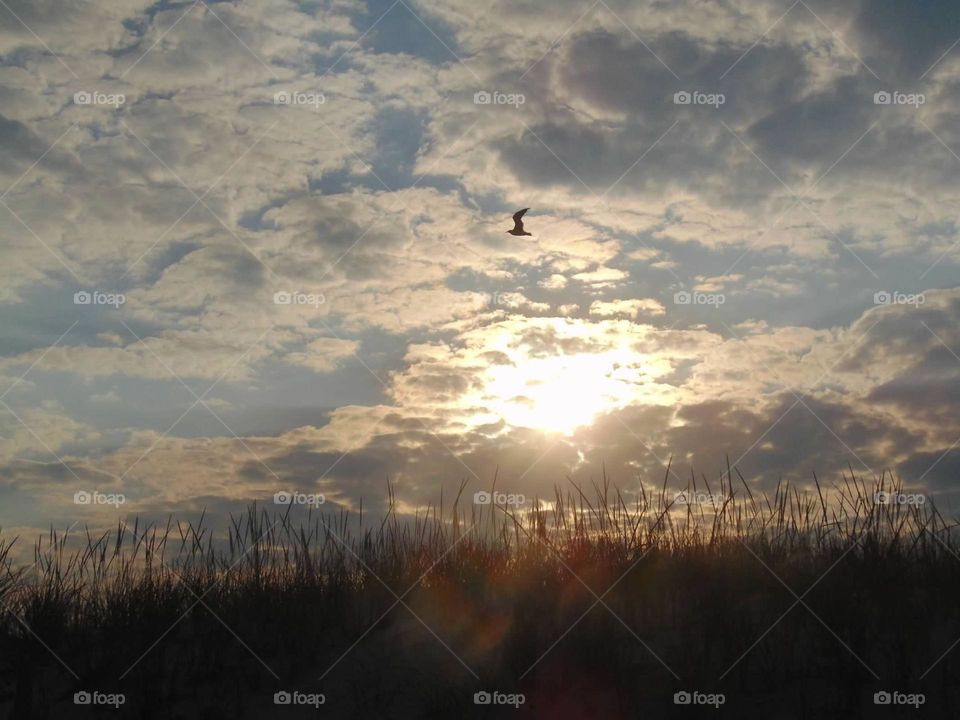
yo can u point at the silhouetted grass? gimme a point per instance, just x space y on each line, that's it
798 605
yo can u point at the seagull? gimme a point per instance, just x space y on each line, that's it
518 223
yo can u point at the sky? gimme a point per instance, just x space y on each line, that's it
260 247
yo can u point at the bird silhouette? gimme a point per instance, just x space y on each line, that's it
518 223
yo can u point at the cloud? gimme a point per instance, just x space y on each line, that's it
628 309
554 282
323 354
430 345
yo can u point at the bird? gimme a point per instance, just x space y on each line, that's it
518 223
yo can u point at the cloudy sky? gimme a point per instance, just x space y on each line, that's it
260 246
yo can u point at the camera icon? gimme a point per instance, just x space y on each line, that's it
82 298
282 498
81 497
282 698
482 497
682 298
482 97
82 698
82 98
882 698
882 298
282 298
281 98
682 98
882 498
882 98
682 698
482 698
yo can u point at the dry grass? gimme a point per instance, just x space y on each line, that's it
398 618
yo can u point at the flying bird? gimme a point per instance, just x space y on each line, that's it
518 223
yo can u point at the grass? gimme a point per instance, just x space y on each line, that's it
803 604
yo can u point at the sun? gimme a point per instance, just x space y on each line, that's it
561 393
558 375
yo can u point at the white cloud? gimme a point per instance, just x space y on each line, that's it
628 309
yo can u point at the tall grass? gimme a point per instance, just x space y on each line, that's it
797 605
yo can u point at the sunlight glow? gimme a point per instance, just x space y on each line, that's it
561 393
557 375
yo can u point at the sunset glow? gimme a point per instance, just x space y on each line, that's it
559 394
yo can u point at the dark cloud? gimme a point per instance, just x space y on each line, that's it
20 147
622 74
904 38
798 123
938 469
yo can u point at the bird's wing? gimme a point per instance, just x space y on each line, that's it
518 215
